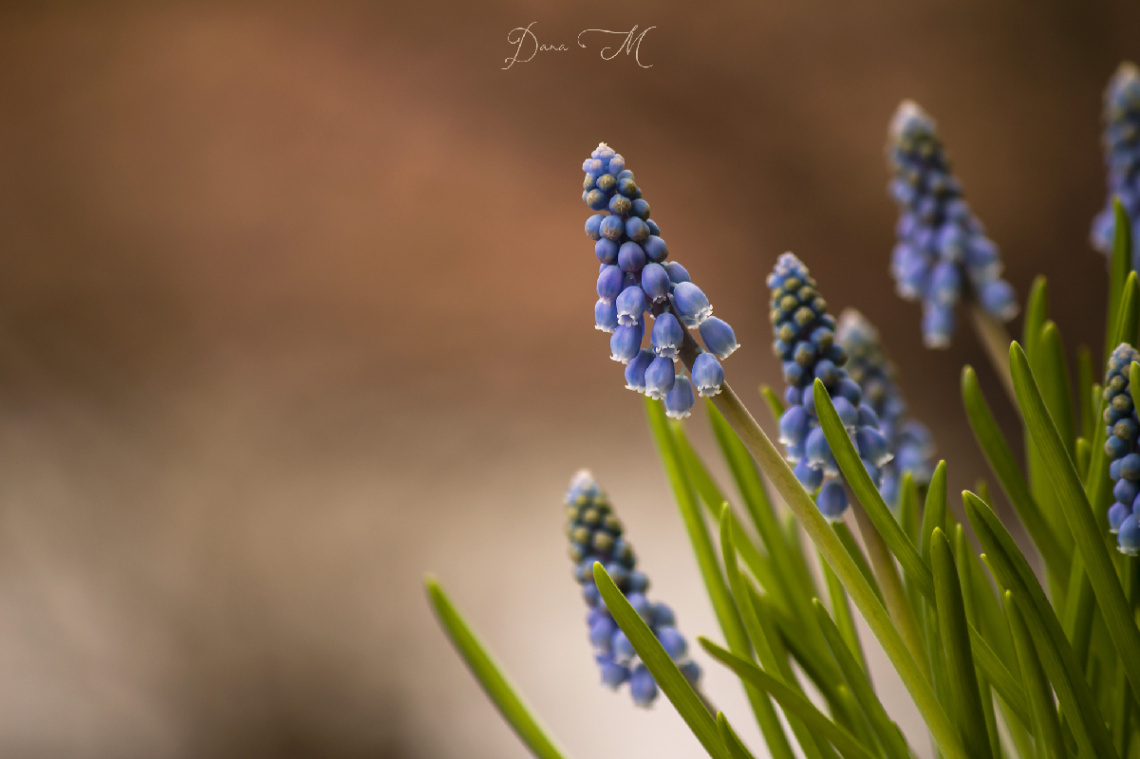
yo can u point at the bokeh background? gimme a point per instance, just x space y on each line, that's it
295 306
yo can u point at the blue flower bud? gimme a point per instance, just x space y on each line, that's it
642 686
708 375
641 605
601 633
655 282
677 273
679 401
659 378
630 305
832 500
611 228
631 258
638 582
1130 467
1125 491
636 229
614 675
641 210
635 370
655 248
997 298
809 476
606 251
626 342
663 616
816 449
1117 513
937 325
673 643
718 337
794 425
692 672
667 336
1128 536
691 304
622 649
945 283
846 412
605 316
609 283
594 226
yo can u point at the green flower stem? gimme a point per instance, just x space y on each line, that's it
894 595
707 561
995 341
1119 267
765 453
489 676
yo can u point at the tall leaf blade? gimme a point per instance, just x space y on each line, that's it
489 676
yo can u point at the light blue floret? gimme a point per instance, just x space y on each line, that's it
943 255
595 535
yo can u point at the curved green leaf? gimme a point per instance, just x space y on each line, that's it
672 683
489 676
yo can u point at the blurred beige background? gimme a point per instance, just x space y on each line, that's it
295 305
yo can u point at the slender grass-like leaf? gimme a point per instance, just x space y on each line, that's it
1056 386
1083 457
860 481
954 632
723 605
732 743
1085 382
1046 727
765 453
934 512
1002 464
1087 536
1036 312
1120 264
843 619
770 725
887 733
669 678
489 676
843 532
774 402
1013 572
909 516
793 703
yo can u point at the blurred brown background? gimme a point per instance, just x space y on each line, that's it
295 305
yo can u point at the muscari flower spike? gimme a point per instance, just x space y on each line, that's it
943 255
910 441
636 280
1122 156
1120 445
596 536
805 343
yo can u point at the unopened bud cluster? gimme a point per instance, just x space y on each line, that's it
1122 156
1120 445
943 255
596 535
805 343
